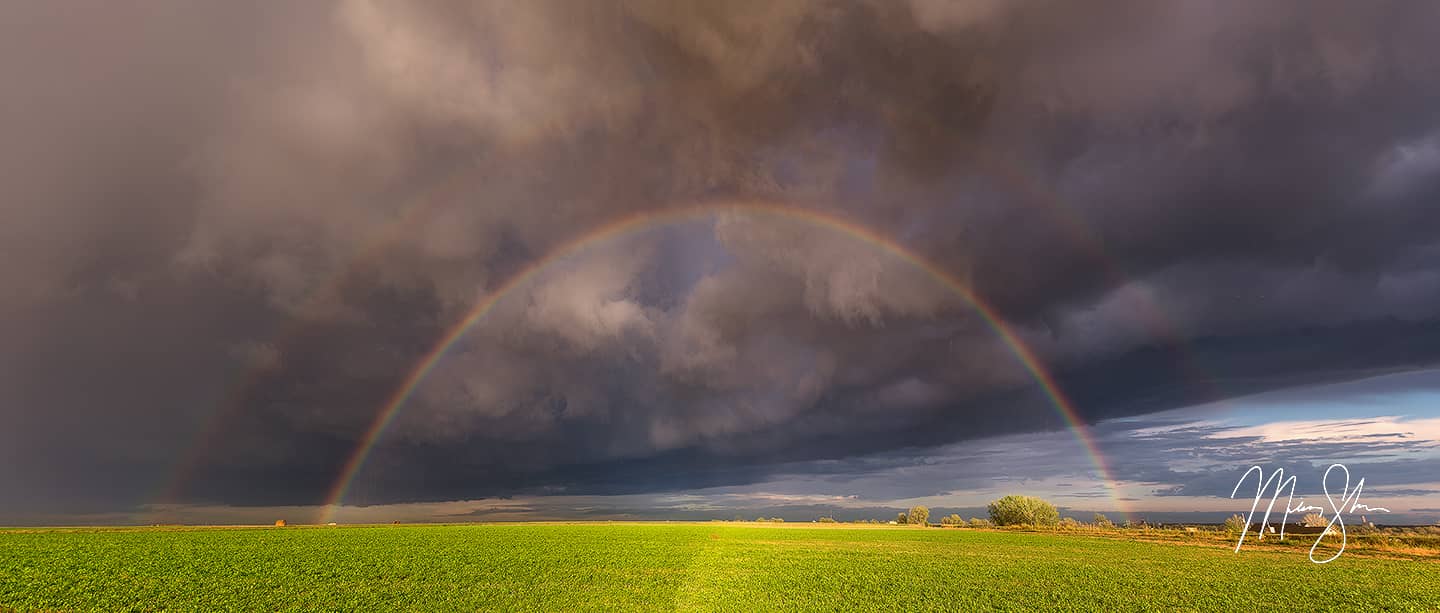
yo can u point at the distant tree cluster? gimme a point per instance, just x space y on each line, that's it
919 515
1016 510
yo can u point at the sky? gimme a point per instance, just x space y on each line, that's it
359 261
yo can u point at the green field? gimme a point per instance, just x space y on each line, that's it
729 567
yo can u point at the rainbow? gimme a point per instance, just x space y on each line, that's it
653 218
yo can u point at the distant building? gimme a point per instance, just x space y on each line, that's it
280 523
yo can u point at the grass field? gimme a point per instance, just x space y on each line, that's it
730 567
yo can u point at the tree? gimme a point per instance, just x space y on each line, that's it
1235 524
952 519
1103 522
827 520
919 515
1014 510
976 522
901 519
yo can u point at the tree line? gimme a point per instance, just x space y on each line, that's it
1011 510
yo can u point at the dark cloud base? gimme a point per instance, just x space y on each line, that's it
1150 379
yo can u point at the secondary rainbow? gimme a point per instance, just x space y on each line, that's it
413 212
654 218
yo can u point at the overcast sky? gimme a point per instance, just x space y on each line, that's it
229 233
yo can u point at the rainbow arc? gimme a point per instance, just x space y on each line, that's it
651 219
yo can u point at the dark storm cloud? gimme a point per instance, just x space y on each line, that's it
230 231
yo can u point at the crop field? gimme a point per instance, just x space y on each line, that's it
688 567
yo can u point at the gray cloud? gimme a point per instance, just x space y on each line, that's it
229 232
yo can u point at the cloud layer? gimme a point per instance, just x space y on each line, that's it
229 232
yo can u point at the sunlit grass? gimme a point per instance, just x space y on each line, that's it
561 567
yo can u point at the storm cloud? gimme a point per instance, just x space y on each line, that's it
230 231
